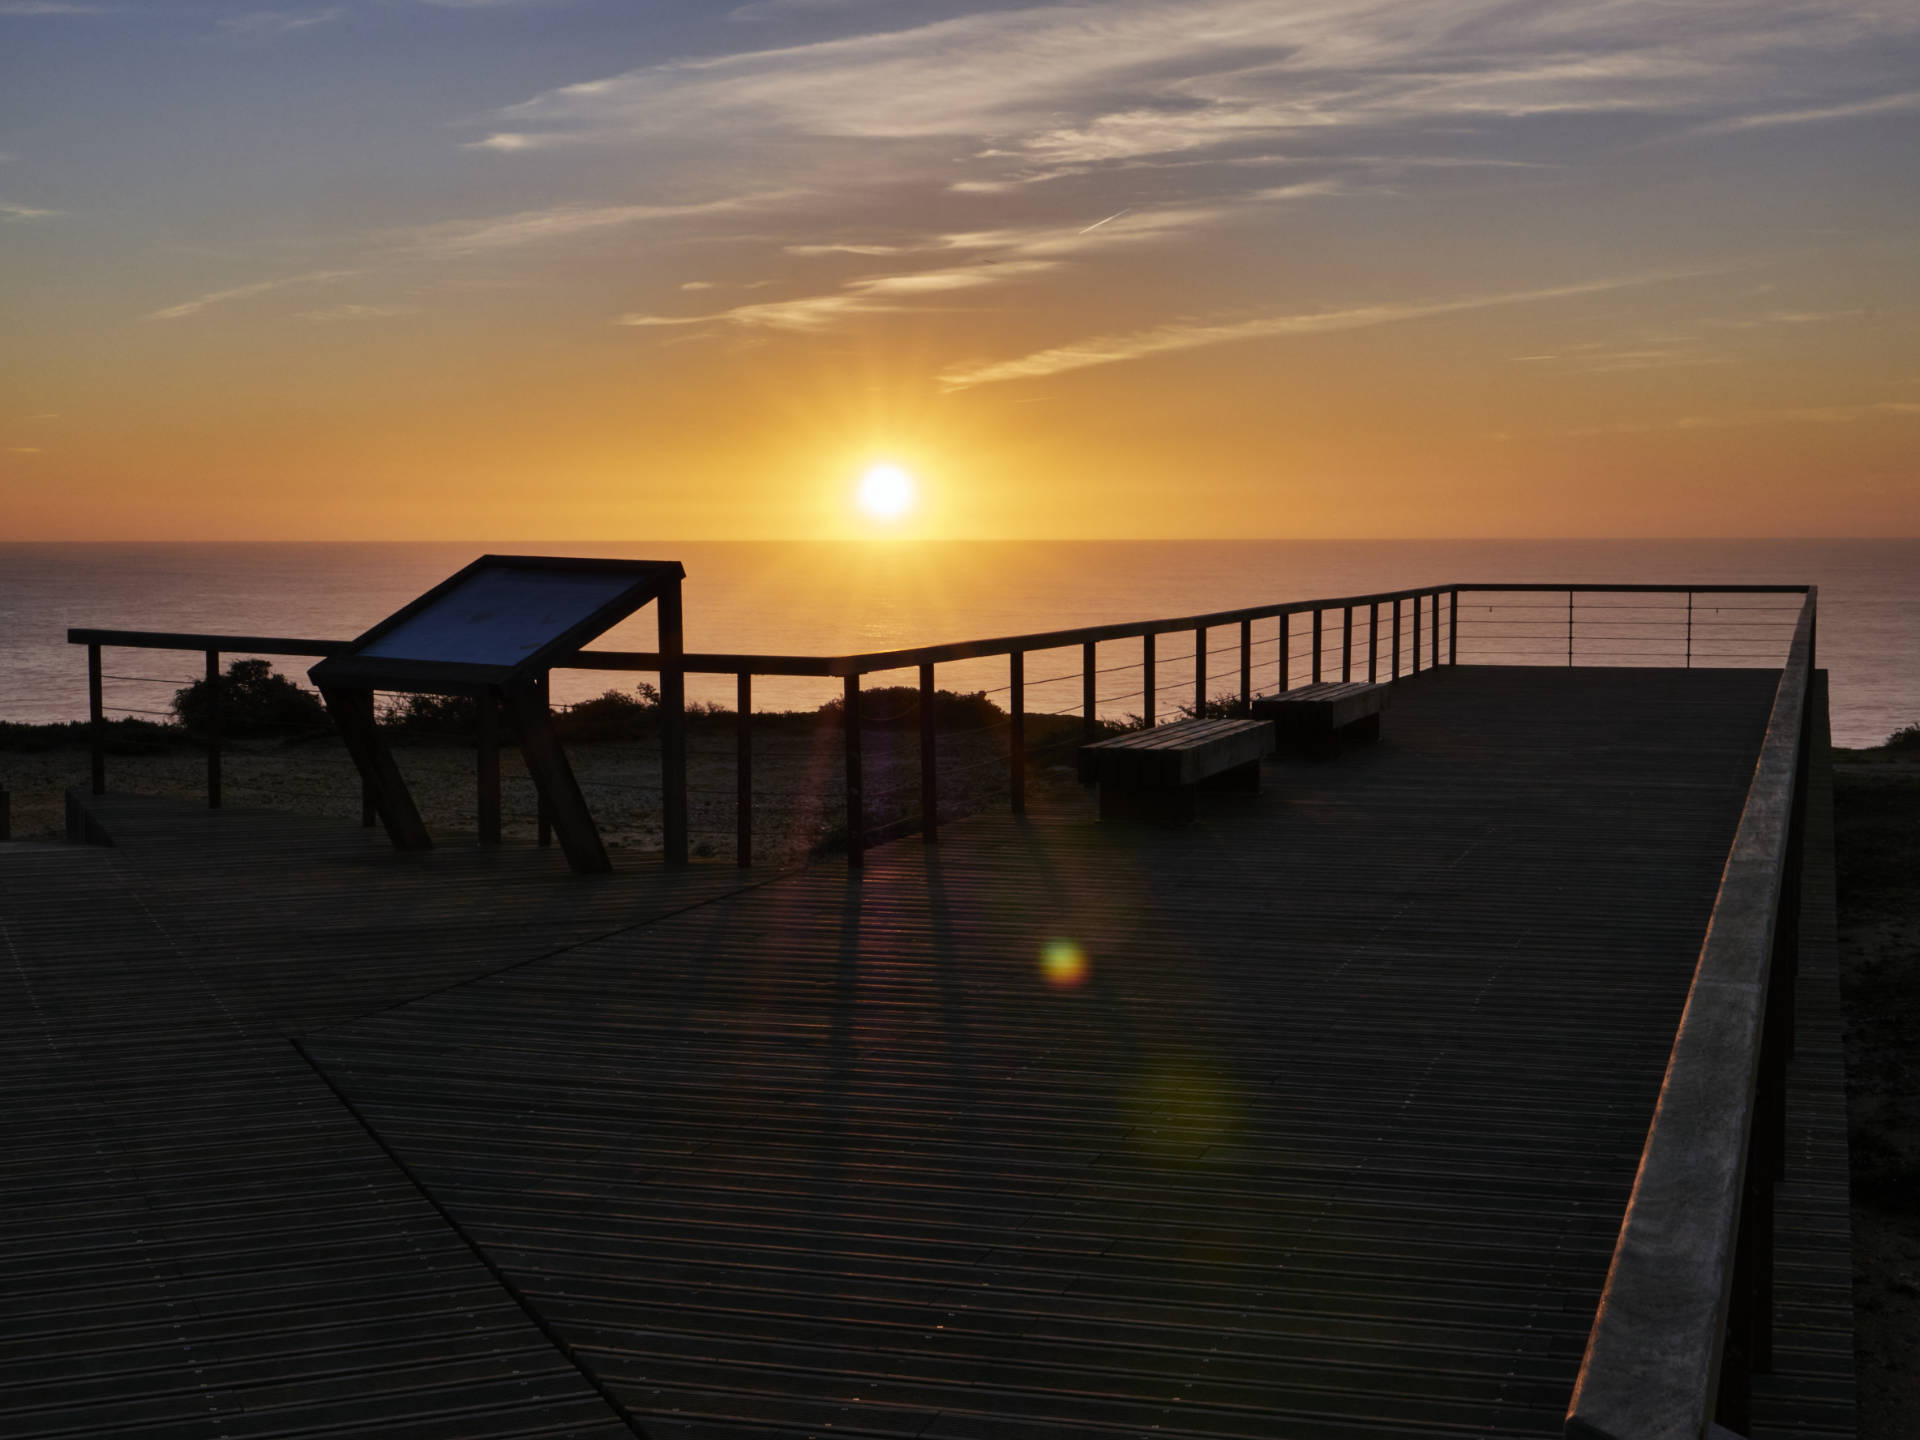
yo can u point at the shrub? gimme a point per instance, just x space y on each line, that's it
897 707
1220 707
253 701
430 715
612 715
1905 739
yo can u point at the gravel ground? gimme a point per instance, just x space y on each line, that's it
798 806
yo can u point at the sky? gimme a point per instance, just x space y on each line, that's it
658 269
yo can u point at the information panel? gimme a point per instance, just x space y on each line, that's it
499 616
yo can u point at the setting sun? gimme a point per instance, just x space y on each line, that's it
886 492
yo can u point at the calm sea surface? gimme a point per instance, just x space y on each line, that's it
822 598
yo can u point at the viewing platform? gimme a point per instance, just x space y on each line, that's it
1316 1118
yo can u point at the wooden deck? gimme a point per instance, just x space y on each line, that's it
1332 1139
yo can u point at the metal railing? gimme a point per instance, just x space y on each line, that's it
1686 1318
1386 635
1416 642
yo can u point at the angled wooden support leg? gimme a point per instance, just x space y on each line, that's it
352 711
553 778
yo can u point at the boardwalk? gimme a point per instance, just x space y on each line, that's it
1331 1139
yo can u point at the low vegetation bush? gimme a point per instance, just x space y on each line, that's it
254 700
1905 740
897 707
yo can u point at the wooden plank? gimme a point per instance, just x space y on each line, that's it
1331 1137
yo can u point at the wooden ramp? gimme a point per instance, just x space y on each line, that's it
1331 1138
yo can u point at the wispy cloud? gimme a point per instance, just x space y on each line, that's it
56 7
27 212
268 24
1072 84
244 292
1813 115
994 257
560 222
1195 335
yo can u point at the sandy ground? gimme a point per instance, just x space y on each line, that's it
798 812
1877 844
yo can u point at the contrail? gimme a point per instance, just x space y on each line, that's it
1115 216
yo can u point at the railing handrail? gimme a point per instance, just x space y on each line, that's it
861 663
1653 1358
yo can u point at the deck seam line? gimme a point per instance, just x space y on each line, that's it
552 954
500 1276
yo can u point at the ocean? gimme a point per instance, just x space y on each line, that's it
835 598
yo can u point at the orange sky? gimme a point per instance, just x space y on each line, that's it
560 269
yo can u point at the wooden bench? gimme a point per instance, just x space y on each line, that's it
1154 774
1318 717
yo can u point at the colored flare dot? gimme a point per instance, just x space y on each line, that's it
1063 963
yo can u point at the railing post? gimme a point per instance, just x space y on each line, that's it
1199 670
1315 672
673 726
1433 654
1689 629
543 828
1346 643
1089 721
1373 642
1246 665
929 759
1416 635
1453 627
1146 677
1286 679
856 797
1396 638
1017 734
214 718
743 769
96 723
1569 629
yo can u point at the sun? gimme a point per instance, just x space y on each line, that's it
887 492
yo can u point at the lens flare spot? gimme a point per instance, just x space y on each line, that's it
1063 963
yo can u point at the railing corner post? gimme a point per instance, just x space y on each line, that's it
1017 732
1089 692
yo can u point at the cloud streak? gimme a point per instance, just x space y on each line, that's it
245 292
1097 84
457 238
997 258
1195 335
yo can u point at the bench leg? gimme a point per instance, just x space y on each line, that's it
1173 806
1241 777
1367 729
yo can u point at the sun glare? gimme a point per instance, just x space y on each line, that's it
886 492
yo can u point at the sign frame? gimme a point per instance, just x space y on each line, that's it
347 682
